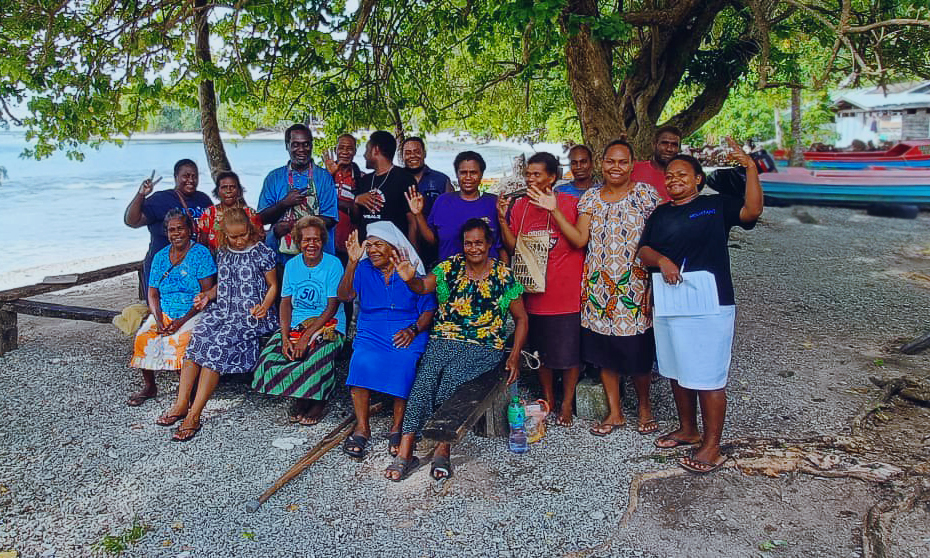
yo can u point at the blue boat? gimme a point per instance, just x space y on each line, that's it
848 188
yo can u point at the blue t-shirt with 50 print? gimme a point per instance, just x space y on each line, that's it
310 288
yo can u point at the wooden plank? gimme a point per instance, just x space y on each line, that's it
82 279
60 279
9 334
469 403
917 345
48 310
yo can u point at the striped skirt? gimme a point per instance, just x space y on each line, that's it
311 378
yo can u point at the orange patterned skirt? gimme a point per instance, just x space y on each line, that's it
151 351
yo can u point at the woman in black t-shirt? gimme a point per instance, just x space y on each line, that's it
694 351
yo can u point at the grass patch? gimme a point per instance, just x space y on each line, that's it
117 544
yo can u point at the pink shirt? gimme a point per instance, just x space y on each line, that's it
645 171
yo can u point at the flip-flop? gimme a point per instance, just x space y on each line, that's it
182 434
612 428
647 427
311 421
442 465
402 466
169 420
711 467
670 442
355 445
393 443
138 399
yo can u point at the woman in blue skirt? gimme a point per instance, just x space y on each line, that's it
392 328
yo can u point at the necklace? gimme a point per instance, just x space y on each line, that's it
383 180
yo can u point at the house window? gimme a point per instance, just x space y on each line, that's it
912 111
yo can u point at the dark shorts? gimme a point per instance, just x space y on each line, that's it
631 355
557 338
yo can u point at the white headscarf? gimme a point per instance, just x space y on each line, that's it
388 232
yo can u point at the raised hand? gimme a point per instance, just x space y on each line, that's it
503 205
738 155
402 265
414 200
329 160
544 200
149 184
353 248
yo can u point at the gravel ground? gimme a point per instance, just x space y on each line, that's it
819 303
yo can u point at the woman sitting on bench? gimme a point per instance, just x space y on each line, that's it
180 271
393 322
475 293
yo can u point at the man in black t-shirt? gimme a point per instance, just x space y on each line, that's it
381 193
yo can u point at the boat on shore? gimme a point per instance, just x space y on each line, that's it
852 188
906 154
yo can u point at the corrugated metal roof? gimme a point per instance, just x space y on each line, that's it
899 96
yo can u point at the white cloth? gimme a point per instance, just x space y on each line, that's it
388 232
695 350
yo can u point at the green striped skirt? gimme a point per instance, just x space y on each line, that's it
310 378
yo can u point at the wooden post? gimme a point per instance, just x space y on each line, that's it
9 333
494 422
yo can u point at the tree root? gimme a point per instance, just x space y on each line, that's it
876 529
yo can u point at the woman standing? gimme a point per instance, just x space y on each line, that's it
298 360
180 271
452 209
555 313
147 209
475 294
239 309
392 328
616 330
229 192
694 351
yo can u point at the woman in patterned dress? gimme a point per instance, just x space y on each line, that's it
616 330
475 293
236 312
178 273
229 191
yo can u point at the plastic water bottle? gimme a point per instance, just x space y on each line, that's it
516 416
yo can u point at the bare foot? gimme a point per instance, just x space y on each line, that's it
565 416
140 397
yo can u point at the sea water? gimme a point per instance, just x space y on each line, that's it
60 216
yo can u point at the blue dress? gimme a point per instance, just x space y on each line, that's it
385 309
227 337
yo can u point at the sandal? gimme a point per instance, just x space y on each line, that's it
701 467
402 466
670 442
137 399
169 420
647 427
355 445
393 443
311 420
604 429
442 466
184 434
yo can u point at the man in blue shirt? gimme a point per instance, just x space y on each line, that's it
430 183
582 166
297 189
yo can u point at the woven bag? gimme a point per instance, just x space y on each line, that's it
531 257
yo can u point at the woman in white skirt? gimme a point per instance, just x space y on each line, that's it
694 351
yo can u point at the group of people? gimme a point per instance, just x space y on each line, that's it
431 273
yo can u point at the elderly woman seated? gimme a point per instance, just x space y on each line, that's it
298 360
391 331
179 272
475 294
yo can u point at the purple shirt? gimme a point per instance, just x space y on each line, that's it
450 212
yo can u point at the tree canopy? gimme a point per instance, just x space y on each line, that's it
93 70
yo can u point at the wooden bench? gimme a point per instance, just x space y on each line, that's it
480 404
15 301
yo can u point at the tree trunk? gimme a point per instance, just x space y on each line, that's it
589 78
210 128
797 157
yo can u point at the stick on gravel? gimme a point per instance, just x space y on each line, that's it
331 440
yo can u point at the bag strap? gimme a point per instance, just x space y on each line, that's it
196 231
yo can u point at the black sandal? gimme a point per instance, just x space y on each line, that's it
442 465
355 445
402 466
394 443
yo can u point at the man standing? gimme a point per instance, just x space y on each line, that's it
581 163
346 175
652 172
296 190
430 183
381 193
